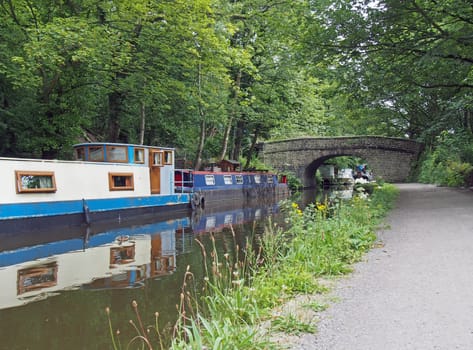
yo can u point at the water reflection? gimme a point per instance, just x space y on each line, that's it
326 194
121 258
54 292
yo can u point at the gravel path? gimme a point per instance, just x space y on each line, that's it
416 291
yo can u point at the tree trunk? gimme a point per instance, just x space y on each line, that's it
252 148
226 138
238 140
228 129
143 123
200 148
114 105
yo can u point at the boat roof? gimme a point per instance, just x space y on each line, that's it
211 172
118 144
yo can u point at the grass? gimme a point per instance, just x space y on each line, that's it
240 292
292 325
316 306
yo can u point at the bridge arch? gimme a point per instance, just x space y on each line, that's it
389 158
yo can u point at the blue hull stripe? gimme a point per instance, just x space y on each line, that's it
22 255
28 210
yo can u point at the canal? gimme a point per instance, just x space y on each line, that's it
54 292
57 285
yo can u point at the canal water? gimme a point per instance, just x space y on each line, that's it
55 286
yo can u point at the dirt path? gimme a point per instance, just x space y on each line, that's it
416 291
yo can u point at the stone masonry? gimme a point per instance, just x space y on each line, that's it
389 158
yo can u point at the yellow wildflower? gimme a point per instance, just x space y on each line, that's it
321 206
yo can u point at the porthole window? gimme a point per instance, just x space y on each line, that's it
35 181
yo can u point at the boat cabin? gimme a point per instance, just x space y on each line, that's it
159 160
229 165
123 153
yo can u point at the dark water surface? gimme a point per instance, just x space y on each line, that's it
54 292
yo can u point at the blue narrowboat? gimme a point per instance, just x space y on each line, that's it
210 187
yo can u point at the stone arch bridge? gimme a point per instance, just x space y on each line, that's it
389 158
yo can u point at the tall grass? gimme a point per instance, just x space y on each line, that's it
241 290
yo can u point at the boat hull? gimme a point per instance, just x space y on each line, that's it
24 217
216 197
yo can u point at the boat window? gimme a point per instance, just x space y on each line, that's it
227 179
209 180
210 222
37 277
117 154
167 157
139 155
257 179
157 158
270 179
122 255
80 153
228 219
35 181
96 154
239 179
120 181
239 218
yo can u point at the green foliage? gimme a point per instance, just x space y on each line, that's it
450 163
291 325
212 78
344 162
293 182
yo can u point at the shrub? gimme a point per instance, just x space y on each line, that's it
450 163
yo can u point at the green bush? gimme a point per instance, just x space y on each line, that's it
450 163
457 174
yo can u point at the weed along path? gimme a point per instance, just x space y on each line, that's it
415 290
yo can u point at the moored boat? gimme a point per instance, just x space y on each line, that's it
212 187
107 181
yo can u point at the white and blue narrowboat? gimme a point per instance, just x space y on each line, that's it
106 181
210 187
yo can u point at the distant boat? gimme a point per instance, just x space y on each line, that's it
213 187
107 181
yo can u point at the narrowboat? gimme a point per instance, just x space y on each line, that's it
106 181
213 187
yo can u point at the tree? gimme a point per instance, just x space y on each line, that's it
406 60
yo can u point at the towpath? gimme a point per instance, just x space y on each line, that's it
416 290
